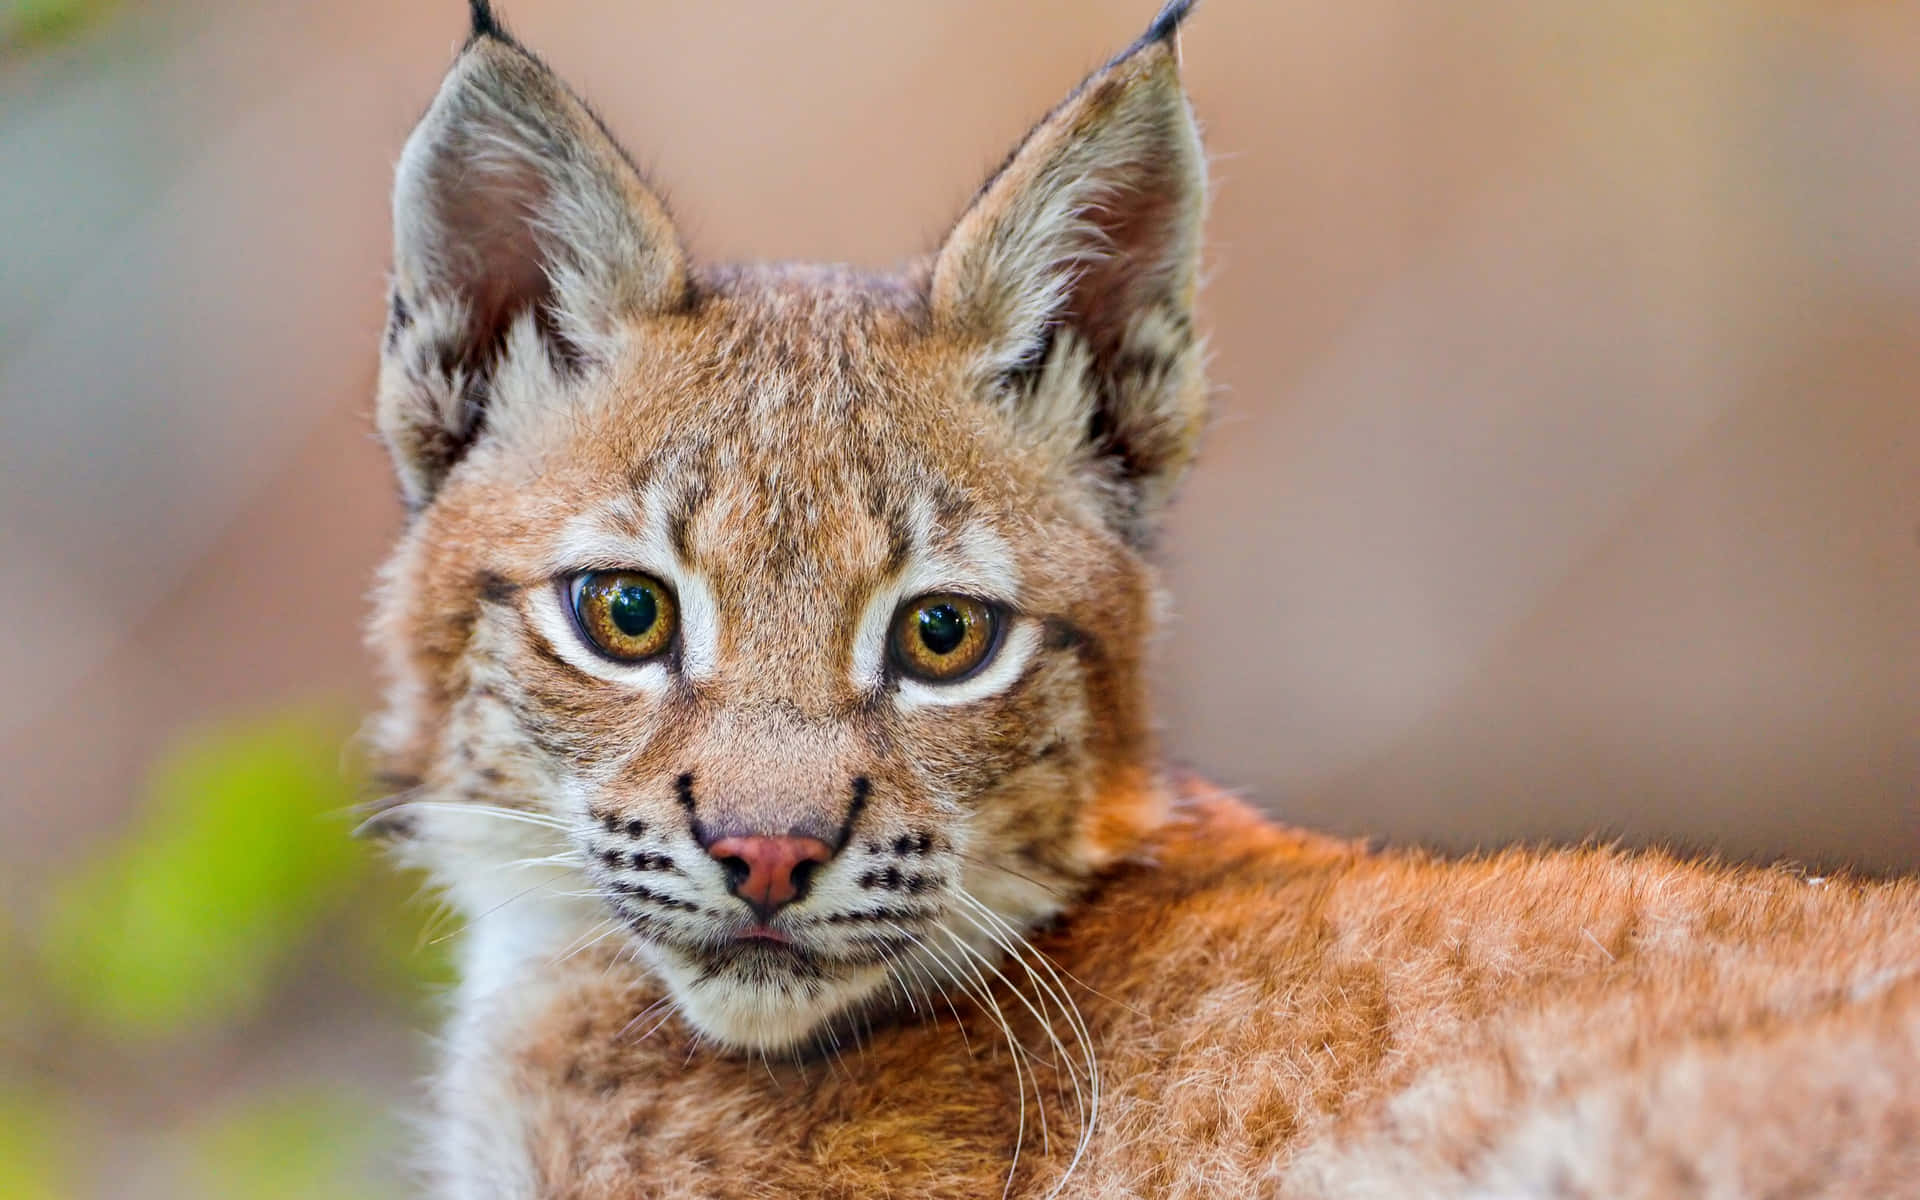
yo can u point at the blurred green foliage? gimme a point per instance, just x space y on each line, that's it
29 1138
298 1146
185 922
237 880
30 21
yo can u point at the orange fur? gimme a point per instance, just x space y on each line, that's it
1282 1014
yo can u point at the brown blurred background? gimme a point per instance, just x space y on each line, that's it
1566 472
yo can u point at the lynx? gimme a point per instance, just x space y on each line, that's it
766 648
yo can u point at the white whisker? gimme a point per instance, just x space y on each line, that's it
1046 1027
665 999
564 858
593 937
1074 1018
519 895
958 972
525 816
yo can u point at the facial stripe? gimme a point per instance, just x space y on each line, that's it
956 546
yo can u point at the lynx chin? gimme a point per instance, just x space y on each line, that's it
765 655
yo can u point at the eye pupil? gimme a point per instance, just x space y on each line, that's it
633 610
943 637
625 615
942 628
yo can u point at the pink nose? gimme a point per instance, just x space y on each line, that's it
769 872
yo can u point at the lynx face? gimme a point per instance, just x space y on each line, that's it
785 623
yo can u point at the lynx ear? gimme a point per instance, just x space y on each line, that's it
1074 273
524 241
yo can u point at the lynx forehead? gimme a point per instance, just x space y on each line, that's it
783 623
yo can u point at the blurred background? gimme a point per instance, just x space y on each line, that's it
1565 479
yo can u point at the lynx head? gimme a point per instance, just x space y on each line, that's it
786 620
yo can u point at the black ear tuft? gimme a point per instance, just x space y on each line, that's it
485 24
1168 22
523 239
1073 275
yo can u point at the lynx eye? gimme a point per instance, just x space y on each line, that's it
944 638
625 615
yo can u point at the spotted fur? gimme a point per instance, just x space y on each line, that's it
1033 963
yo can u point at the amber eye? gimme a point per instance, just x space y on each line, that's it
626 615
943 638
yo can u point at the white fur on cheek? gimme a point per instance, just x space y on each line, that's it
870 638
699 624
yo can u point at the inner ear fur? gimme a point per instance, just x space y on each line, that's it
1073 274
520 230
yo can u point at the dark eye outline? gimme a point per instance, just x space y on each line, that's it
573 588
996 617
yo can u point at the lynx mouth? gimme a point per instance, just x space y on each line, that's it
755 955
762 933
757 958
751 955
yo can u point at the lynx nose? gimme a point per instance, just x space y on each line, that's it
769 872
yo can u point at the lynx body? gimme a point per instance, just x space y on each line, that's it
767 692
